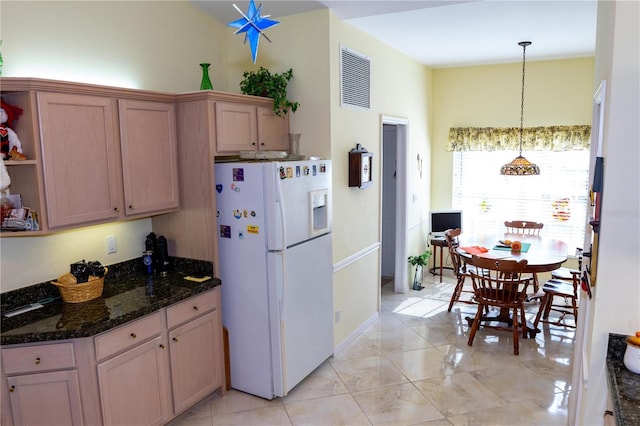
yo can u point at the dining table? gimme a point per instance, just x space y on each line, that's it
543 254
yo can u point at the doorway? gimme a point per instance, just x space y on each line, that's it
389 175
394 203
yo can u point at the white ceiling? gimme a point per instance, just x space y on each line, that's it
453 33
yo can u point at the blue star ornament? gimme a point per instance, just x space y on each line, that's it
253 25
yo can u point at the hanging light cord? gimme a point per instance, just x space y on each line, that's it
524 45
520 166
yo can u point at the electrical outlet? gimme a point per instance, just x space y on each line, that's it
337 319
112 246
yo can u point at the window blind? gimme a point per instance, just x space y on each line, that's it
558 197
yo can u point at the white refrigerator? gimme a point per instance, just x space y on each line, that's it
276 267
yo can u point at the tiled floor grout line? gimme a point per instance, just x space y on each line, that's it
539 360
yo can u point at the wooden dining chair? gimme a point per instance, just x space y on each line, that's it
500 283
527 227
460 268
567 292
524 227
566 274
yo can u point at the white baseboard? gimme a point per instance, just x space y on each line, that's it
357 332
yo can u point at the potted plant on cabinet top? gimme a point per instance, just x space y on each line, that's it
264 83
419 261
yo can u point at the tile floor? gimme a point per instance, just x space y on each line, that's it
413 367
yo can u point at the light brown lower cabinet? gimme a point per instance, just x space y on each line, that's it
182 363
133 386
41 385
194 361
145 372
46 398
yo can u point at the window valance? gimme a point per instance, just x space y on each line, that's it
548 138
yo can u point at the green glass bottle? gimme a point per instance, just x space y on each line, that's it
205 84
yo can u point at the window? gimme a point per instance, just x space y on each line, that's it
558 197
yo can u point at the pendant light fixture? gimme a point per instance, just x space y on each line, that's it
520 166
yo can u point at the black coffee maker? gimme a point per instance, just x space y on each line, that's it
162 255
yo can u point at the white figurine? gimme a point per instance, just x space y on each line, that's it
5 180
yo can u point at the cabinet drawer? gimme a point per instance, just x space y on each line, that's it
191 308
128 335
38 358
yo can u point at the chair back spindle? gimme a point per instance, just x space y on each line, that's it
524 227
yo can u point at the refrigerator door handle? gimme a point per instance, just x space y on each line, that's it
283 222
276 284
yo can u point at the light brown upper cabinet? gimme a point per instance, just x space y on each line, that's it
95 154
246 127
80 158
149 157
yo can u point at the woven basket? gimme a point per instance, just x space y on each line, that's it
78 293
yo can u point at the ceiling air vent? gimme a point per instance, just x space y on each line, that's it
355 78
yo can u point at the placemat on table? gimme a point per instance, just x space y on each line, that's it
525 247
474 249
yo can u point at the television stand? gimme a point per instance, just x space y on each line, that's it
441 243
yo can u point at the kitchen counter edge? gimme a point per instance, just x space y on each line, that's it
624 385
180 289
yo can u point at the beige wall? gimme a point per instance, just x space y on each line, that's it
357 214
130 44
331 131
94 42
27 261
556 93
139 44
143 45
300 42
616 296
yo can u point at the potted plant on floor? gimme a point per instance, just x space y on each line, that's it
270 85
419 262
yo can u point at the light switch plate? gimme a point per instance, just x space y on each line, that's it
112 246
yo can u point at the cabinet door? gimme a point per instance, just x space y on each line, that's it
149 156
133 386
273 131
195 361
46 399
236 127
80 153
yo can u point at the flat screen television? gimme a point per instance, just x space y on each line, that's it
441 220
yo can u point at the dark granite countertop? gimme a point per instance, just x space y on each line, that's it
624 385
128 294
